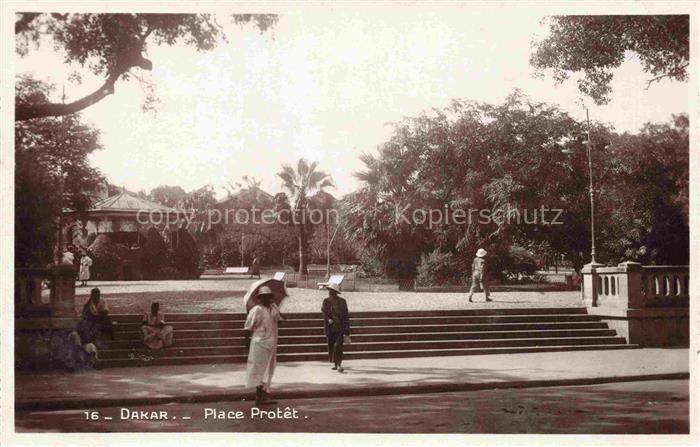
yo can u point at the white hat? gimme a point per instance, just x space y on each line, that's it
333 286
481 252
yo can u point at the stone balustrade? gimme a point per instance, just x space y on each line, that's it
649 305
44 316
45 292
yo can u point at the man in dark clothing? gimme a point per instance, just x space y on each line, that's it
336 323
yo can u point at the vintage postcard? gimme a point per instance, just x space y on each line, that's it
419 223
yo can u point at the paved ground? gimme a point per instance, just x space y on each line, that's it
369 376
653 407
226 295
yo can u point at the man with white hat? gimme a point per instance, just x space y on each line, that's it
336 324
261 340
479 278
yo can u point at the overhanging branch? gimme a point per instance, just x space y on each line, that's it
30 111
673 73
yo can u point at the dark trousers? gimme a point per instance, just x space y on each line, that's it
335 348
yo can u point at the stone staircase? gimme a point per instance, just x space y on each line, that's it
218 338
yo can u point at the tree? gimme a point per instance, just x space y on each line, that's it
52 173
167 195
114 46
502 166
300 185
596 45
646 188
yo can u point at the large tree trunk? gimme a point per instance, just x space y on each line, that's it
303 268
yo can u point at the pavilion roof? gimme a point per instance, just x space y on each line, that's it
126 202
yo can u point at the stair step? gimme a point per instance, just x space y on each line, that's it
453 328
399 321
360 355
135 334
179 341
382 321
219 337
238 316
374 346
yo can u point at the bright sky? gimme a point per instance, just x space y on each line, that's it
323 86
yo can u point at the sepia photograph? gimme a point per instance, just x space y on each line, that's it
350 219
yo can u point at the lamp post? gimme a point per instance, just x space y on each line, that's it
593 262
590 176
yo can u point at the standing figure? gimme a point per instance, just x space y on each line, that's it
261 341
479 277
85 264
336 324
255 267
96 314
156 334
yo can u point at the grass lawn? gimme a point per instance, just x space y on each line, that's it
226 295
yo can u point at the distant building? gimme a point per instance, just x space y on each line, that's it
125 216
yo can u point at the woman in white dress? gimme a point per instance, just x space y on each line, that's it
85 264
156 334
261 340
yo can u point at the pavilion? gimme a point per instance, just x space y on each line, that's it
125 216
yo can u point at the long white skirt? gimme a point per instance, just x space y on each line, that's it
262 360
84 274
157 338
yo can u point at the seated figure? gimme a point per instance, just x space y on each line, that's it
156 334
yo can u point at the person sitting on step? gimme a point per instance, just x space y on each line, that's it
96 313
82 350
156 334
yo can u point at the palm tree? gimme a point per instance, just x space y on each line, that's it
301 184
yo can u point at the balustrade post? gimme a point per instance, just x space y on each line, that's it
63 291
630 293
589 289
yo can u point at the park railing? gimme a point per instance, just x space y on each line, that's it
45 292
647 304
665 282
630 285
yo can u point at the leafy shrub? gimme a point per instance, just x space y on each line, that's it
112 260
169 273
371 263
91 238
437 268
517 261
186 255
152 254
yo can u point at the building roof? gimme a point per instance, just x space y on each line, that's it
125 202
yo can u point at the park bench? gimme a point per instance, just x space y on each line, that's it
334 279
236 270
317 270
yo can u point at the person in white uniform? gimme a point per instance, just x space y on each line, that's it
261 340
85 264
